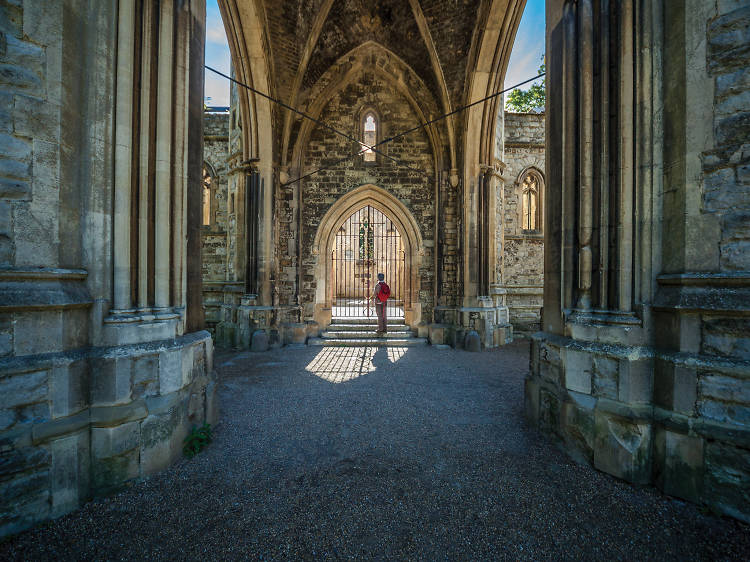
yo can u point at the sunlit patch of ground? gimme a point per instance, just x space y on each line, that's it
341 364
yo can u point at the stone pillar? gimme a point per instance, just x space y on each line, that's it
92 401
586 155
123 155
641 368
145 163
164 132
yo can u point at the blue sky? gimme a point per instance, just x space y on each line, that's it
524 60
217 56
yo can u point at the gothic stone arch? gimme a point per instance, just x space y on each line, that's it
325 240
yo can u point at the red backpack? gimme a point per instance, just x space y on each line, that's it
385 291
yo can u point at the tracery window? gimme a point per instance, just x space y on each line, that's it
530 195
366 240
206 197
369 136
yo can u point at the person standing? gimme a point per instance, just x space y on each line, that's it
380 294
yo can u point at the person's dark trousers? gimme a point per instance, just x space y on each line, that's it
382 322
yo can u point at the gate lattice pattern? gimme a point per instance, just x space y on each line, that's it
367 243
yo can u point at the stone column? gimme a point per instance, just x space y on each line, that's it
626 152
145 164
163 156
585 150
123 155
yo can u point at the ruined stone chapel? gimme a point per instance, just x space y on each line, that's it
138 232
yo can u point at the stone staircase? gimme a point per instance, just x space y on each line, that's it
351 332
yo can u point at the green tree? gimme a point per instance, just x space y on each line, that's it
523 101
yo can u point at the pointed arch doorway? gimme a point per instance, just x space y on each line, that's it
367 243
404 234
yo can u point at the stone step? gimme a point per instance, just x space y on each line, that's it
347 334
366 320
364 327
367 342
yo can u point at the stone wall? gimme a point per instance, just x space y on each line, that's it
214 235
523 254
642 366
414 190
90 398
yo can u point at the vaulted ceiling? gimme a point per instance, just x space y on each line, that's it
308 36
441 42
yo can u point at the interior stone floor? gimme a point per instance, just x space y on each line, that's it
387 453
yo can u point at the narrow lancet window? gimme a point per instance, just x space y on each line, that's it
370 136
530 201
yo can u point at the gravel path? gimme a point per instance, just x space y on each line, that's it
364 453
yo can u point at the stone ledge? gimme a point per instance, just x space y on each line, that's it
29 289
57 428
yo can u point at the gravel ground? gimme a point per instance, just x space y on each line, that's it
364 453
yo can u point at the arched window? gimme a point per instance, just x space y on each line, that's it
369 135
530 204
207 197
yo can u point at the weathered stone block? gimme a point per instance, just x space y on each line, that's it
35 118
28 326
109 474
111 380
170 370
678 464
111 441
636 381
259 341
578 370
189 364
22 459
70 472
550 372
295 333
69 388
162 437
725 388
623 447
727 476
729 41
438 334
15 189
212 403
549 411
23 388
684 390
25 500
578 425
37 234
145 375
606 372
724 412
16 78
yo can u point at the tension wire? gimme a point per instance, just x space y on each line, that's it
317 121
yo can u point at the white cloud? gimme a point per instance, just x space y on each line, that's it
217 88
215 33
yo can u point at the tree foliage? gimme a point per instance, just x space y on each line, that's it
523 101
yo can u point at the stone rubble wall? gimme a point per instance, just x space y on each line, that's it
319 192
523 254
214 236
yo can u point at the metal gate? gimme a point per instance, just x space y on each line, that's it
367 243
